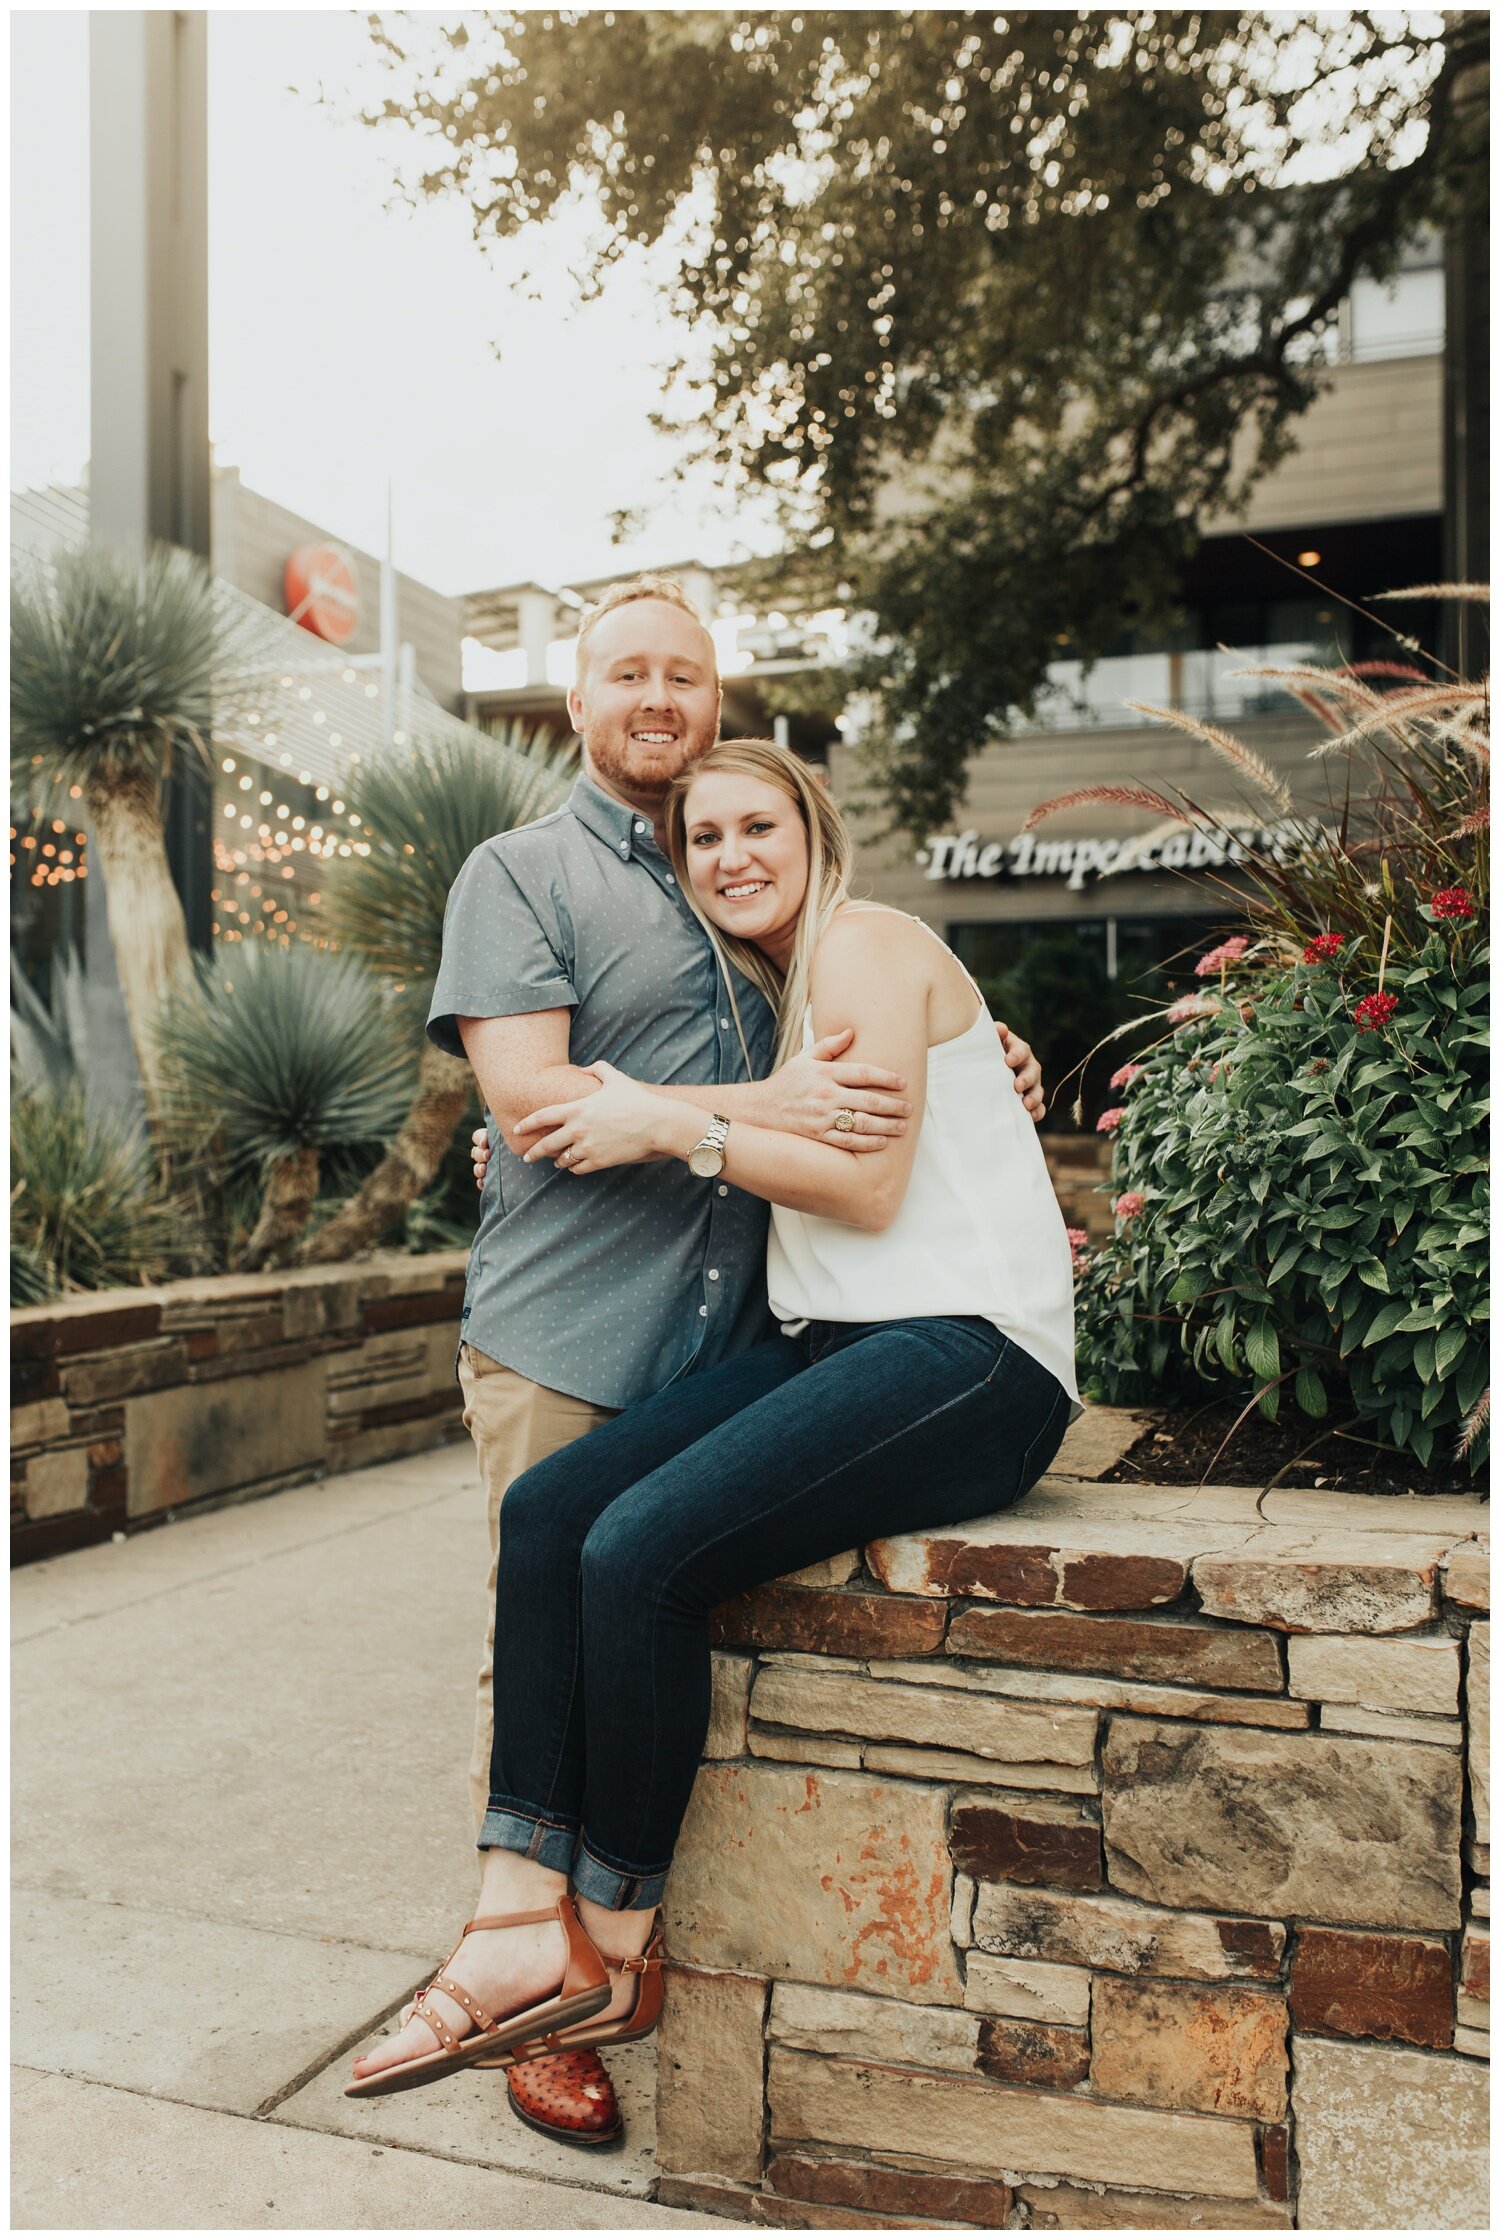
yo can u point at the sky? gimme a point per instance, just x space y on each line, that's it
351 341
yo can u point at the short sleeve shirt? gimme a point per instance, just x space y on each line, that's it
605 1286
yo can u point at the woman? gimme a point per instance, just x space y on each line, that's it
923 1376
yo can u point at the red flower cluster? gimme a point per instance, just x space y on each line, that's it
1323 948
1375 1011
1452 902
1107 1122
1128 1204
1125 1076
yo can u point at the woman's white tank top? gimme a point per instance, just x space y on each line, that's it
979 1231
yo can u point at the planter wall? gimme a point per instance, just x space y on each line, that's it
1119 1861
128 1403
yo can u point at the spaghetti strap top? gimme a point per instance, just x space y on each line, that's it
979 1231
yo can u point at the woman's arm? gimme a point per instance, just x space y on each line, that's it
874 972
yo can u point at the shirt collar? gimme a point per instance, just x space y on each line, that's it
609 820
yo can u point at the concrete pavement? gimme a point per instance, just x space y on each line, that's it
240 1842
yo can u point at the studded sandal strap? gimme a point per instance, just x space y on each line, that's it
435 2023
464 1999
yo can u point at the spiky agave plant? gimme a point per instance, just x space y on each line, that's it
116 660
84 1213
423 816
271 1059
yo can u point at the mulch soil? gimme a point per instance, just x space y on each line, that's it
1180 1449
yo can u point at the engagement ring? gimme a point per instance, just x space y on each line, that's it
843 1120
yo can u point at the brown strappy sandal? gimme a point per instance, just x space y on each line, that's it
621 2029
585 1989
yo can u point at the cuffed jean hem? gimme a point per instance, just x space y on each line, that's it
614 1887
547 1841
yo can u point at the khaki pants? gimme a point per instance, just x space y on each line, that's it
513 1423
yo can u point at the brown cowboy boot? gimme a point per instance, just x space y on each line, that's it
567 2096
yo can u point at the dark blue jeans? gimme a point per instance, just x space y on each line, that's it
614 1551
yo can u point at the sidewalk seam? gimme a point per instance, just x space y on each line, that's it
232 1570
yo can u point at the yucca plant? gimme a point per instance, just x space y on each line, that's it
114 666
270 1060
423 816
48 1041
84 1213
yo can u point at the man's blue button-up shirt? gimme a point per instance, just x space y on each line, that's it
606 1285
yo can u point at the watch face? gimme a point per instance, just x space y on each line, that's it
704 1160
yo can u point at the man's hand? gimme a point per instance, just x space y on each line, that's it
804 1096
1027 1072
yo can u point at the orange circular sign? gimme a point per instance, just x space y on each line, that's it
321 589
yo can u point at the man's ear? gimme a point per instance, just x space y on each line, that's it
575 709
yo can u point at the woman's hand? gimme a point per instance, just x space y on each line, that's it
480 1154
624 1124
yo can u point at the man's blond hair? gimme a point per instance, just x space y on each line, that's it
624 595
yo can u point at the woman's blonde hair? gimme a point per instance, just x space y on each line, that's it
830 860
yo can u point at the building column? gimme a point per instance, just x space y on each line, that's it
148 407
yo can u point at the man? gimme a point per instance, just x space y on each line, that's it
566 941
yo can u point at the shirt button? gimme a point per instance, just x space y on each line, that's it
724 1023
624 847
671 882
640 827
723 1189
703 1310
713 1275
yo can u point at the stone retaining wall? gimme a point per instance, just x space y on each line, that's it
1118 1861
128 1403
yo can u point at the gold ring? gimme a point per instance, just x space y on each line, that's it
843 1120
568 1156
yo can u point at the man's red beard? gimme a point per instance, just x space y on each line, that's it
638 772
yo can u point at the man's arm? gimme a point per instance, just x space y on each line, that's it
522 1063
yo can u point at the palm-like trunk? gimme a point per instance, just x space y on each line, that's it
291 1187
444 1086
146 924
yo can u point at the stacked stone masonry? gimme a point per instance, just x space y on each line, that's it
126 1405
1118 1861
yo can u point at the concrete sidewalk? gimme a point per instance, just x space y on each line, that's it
240 1829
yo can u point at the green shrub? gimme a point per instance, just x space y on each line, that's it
84 1213
1315 1204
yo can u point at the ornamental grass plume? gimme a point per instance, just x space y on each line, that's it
1321 1143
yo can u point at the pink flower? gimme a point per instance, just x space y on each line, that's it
1125 1076
1375 1011
1078 1244
1107 1122
1452 902
1128 1204
1323 948
1228 953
